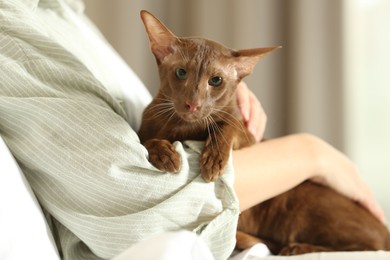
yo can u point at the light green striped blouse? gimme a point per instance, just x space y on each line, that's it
66 125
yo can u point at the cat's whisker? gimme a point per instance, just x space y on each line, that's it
231 120
169 118
218 128
158 107
161 106
167 100
202 123
162 113
206 122
209 124
160 110
216 132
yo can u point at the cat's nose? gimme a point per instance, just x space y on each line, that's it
192 106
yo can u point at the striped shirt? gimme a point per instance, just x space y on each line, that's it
65 119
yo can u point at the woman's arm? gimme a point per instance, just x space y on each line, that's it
269 168
272 167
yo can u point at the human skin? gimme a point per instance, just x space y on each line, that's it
270 168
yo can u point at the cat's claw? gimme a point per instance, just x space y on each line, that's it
163 156
212 163
210 169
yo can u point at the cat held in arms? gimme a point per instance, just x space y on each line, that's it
196 101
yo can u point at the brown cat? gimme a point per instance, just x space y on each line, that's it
311 218
196 101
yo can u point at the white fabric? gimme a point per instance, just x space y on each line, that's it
169 246
101 60
257 251
24 233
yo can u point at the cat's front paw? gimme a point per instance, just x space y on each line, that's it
213 161
162 155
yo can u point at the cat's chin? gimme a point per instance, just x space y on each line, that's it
191 117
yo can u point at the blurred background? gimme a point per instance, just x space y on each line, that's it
331 79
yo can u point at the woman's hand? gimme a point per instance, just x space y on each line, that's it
252 112
339 173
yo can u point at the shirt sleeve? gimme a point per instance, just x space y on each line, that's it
85 163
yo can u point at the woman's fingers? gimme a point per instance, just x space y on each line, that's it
251 110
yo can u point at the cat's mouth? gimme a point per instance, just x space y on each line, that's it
192 117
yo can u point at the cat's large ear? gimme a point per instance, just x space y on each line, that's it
161 39
246 59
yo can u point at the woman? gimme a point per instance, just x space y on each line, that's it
65 116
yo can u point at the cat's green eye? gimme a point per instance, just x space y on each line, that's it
181 73
215 81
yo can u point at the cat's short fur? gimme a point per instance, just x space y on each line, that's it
197 101
311 218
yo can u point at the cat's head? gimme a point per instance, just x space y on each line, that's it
198 76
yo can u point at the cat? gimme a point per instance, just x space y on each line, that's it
311 218
196 101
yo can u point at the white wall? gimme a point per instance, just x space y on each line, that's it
367 92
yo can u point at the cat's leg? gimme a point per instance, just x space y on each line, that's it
244 240
302 248
215 154
218 145
243 138
162 155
